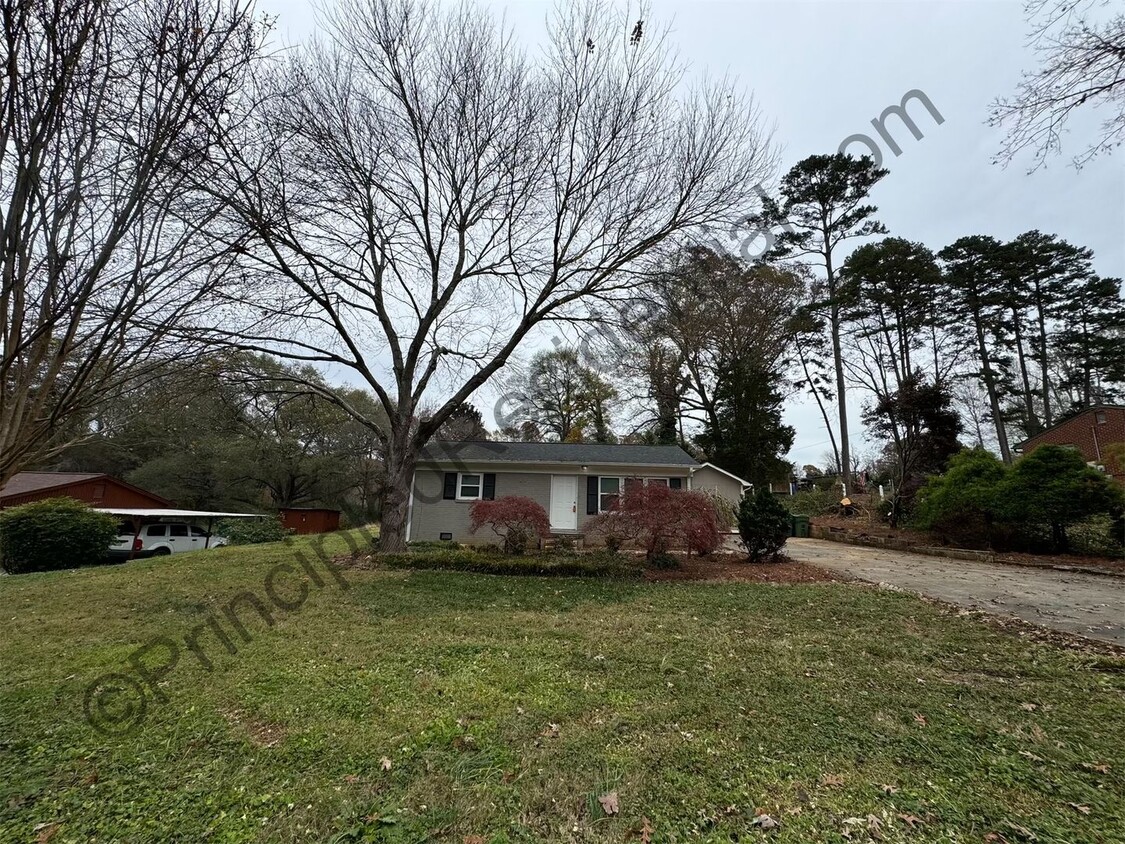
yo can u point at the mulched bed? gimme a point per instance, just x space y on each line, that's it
730 567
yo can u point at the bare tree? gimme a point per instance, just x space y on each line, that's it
1082 60
108 105
710 310
422 195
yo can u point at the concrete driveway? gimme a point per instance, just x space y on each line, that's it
1088 604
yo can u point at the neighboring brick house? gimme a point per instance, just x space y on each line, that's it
1090 433
96 489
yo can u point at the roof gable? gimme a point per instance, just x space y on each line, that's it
25 483
22 483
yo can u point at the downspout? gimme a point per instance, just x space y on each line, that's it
1097 445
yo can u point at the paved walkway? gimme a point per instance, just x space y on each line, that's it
1087 604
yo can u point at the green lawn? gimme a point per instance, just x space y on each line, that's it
446 706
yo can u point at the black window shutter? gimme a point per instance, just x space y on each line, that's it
675 483
591 496
450 489
488 492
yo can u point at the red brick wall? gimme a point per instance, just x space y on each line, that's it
1090 437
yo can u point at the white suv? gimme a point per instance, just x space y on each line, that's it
162 538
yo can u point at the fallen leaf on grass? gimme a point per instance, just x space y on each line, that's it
1028 754
834 780
995 838
874 828
646 831
609 803
1028 707
46 831
551 731
920 719
473 839
1021 831
890 789
910 820
1079 808
764 821
385 763
1098 768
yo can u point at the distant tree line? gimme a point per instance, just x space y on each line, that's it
232 432
983 341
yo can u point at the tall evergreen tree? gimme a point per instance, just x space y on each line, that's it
1090 344
1043 272
972 277
823 204
887 291
747 436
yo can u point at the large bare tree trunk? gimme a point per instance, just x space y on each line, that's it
401 457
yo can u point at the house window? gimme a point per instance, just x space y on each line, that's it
468 487
1100 416
608 490
657 481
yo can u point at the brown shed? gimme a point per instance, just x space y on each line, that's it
310 519
97 490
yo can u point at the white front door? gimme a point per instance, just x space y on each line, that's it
564 502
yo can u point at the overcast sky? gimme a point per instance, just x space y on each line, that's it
822 70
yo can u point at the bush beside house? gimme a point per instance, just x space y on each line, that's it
658 520
56 533
518 521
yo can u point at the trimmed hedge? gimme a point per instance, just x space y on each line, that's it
763 524
548 565
57 533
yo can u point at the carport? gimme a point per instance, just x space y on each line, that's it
141 516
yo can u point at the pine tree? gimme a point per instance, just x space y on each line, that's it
747 436
824 203
972 278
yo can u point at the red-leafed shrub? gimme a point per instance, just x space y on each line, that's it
516 519
659 519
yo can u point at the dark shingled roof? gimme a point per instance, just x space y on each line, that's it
581 453
22 483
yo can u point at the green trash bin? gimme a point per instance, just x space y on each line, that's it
801 526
